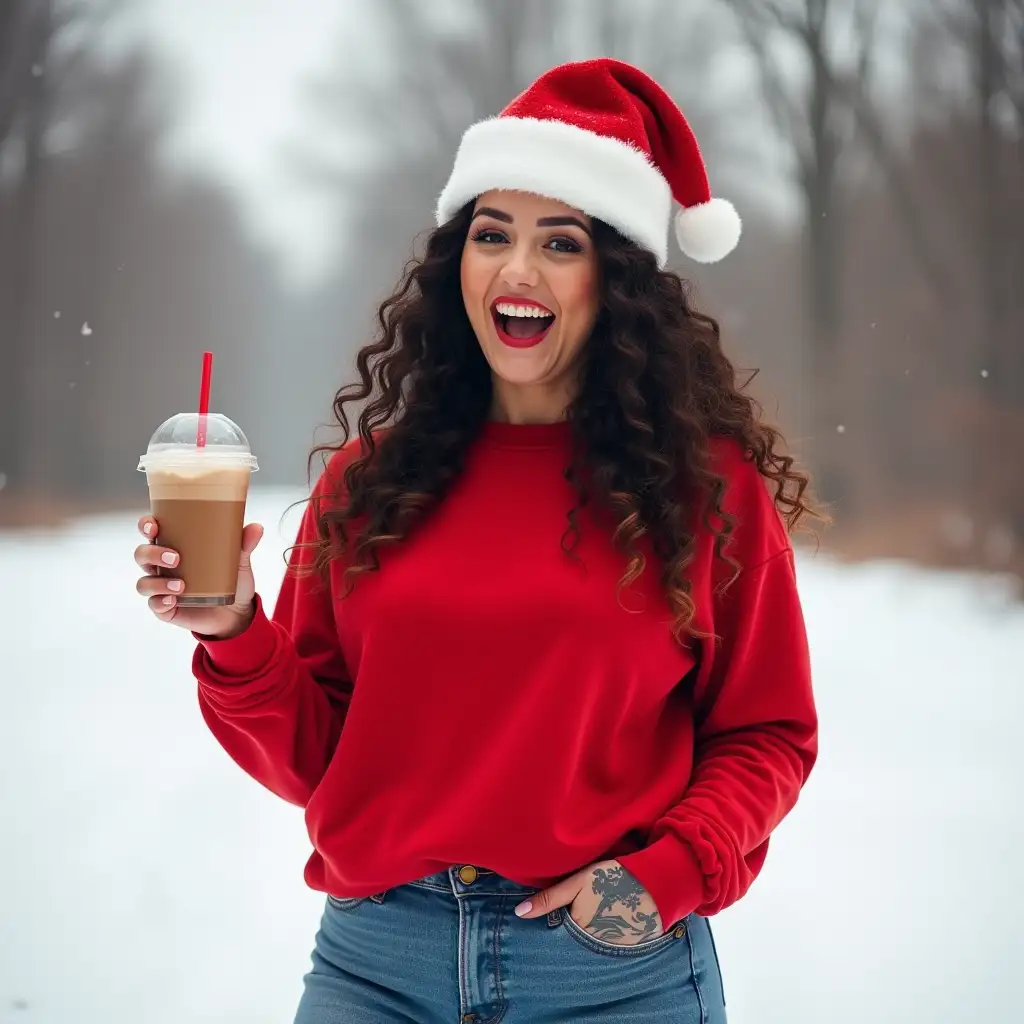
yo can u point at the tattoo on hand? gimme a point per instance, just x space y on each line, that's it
617 915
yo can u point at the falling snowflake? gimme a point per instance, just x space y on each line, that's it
73 384
984 373
874 325
840 429
86 329
56 314
37 70
3 481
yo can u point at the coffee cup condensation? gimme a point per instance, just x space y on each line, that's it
197 495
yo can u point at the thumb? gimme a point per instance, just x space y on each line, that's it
251 536
561 894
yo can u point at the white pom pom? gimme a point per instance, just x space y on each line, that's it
708 232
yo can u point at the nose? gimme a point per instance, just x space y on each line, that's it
520 270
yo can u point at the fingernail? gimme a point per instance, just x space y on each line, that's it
524 908
169 601
147 529
168 558
174 584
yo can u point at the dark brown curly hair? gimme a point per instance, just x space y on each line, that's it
654 387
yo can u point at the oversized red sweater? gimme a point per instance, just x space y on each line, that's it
484 699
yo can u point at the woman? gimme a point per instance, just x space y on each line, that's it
540 646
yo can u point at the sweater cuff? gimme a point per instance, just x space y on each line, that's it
242 656
669 870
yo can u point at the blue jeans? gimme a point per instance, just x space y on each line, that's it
447 948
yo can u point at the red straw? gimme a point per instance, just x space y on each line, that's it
204 399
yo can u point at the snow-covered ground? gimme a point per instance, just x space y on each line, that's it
146 879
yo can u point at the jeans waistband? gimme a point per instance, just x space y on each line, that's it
462 879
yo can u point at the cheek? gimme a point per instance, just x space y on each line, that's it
474 282
579 299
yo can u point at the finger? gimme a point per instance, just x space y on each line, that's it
251 536
148 526
153 554
164 612
161 585
562 894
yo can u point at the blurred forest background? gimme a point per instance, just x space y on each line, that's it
875 151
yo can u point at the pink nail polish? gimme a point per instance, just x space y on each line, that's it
524 908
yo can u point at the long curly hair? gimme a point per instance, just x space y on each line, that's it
654 388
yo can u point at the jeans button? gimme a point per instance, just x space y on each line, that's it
468 874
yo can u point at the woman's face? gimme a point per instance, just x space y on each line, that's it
530 285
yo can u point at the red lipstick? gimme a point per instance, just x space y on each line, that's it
530 340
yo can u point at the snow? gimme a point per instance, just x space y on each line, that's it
147 878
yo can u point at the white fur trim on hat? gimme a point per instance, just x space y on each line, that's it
709 231
601 176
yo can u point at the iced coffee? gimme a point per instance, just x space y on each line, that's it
197 496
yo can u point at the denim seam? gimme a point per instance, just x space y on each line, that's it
693 979
718 963
463 957
502 1005
345 902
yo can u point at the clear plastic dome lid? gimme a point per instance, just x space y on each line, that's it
175 442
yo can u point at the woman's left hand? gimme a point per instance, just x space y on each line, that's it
605 900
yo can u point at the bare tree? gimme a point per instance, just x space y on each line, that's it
990 36
817 125
25 105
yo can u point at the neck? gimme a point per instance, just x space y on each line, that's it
512 403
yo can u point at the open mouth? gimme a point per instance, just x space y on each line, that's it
521 325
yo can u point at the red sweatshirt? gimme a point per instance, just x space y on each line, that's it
484 699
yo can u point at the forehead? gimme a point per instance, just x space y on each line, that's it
527 206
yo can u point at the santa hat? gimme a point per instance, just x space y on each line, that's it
604 137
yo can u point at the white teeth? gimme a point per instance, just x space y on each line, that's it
507 309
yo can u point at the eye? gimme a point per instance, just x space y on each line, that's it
564 245
489 236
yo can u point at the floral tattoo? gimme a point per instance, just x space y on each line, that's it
617 916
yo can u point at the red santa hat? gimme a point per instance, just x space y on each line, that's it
604 137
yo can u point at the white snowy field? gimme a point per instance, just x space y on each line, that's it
146 879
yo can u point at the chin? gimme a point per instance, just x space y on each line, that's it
517 374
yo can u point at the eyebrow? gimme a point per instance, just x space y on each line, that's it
543 222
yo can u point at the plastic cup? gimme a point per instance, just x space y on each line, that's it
197 496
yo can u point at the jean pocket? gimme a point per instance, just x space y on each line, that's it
591 942
345 902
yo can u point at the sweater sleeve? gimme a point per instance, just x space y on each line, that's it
755 744
275 697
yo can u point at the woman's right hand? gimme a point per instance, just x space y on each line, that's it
217 621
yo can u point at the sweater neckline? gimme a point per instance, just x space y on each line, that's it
495 434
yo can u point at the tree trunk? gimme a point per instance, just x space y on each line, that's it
21 256
822 309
